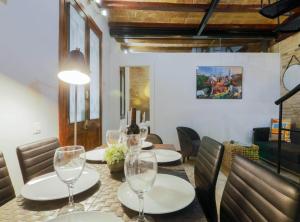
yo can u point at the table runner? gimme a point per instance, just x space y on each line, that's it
102 197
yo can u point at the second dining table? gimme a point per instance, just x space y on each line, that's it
102 197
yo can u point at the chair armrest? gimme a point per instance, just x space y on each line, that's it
261 134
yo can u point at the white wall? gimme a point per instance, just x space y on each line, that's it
174 93
28 83
28 68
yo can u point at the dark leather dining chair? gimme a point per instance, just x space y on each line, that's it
154 138
7 191
36 158
207 167
189 141
254 193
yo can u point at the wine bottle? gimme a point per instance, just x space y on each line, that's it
133 128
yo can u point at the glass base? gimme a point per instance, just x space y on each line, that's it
76 207
144 219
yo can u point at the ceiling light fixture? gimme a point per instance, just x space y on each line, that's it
104 12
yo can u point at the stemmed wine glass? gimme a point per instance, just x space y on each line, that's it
113 137
140 171
69 162
133 142
143 132
123 130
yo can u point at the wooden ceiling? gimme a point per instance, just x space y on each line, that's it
186 25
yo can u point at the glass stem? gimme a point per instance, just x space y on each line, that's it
71 199
141 207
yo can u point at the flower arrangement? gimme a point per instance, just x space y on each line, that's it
115 156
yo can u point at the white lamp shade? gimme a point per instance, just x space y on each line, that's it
74 77
74 69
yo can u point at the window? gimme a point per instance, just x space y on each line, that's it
95 84
83 36
76 40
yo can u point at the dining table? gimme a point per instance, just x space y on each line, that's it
102 198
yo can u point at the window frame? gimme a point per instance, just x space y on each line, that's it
89 25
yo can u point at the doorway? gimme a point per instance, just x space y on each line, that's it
78 30
135 93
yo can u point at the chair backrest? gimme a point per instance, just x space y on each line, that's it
192 134
154 138
207 167
254 193
187 138
36 158
7 191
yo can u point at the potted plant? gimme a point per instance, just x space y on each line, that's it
115 156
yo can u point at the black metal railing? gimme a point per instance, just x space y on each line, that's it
280 102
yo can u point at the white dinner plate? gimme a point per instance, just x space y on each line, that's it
169 194
146 145
50 187
95 155
90 216
166 156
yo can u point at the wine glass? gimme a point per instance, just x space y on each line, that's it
123 130
143 132
69 162
140 171
133 142
113 137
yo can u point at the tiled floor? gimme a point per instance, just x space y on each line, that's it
189 168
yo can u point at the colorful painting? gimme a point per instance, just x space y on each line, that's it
219 82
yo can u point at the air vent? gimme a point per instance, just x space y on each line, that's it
279 8
292 26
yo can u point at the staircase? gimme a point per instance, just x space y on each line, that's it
280 103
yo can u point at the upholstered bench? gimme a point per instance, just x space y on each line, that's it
290 152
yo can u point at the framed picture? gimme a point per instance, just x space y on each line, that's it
219 82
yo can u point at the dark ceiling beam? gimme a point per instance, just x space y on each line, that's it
137 25
210 43
239 34
180 7
254 27
253 48
152 25
155 47
167 29
146 31
176 41
223 37
283 36
158 49
207 16
129 32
